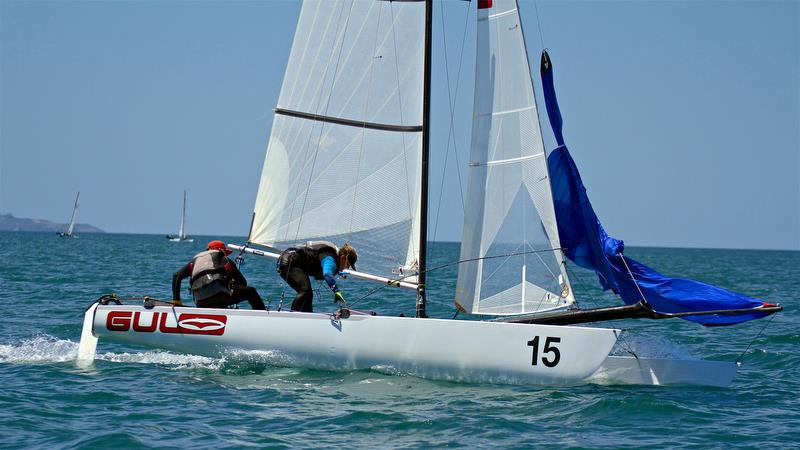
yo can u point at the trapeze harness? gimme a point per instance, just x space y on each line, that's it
308 257
210 275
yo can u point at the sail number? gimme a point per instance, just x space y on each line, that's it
550 353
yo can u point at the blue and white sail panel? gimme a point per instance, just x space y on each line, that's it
511 262
588 245
344 156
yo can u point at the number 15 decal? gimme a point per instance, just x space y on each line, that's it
548 348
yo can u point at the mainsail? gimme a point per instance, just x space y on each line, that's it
589 246
344 158
510 251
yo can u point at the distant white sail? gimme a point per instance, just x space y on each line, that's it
74 215
182 230
181 236
344 157
509 228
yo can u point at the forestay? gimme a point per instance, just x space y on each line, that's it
510 209
343 160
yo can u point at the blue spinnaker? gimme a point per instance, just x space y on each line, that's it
587 244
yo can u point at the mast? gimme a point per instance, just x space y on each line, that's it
426 113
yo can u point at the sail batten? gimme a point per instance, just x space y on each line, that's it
352 123
507 161
513 111
498 15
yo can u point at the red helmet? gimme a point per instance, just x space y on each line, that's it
218 245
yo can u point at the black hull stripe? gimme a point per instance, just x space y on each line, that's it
348 122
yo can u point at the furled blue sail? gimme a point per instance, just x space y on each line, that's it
588 245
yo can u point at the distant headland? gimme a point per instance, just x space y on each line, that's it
10 223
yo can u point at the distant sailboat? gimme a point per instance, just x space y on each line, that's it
181 236
71 228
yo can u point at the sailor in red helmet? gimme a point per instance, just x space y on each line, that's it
215 281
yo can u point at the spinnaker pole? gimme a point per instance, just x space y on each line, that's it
640 310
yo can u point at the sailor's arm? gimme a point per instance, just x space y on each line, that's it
236 275
183 272
328 271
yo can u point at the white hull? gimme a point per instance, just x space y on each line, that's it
457 350
181 240
659 371
88 345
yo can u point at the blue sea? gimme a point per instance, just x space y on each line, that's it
139 398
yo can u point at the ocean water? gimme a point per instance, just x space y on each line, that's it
138 398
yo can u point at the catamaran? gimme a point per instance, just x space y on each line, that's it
71 228
181 236
354 115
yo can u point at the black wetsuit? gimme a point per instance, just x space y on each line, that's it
296 264
237 287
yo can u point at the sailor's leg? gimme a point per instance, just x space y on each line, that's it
299 281
250 294
219 300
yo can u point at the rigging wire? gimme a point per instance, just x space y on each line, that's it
636 283
755 338
442 266
573 275
539 23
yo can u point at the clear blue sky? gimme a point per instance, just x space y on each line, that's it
682 116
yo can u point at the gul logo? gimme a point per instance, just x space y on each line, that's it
202 322
149 322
